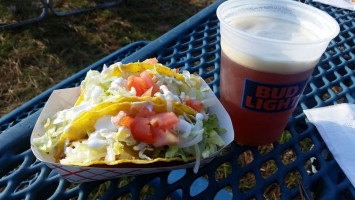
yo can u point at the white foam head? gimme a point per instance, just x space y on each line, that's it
274 36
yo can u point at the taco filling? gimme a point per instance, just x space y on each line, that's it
137 113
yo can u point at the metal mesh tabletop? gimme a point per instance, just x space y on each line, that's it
194 46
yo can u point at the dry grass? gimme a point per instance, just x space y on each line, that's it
37 56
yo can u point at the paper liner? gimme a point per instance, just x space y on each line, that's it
66 98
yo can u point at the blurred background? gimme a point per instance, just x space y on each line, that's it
36 56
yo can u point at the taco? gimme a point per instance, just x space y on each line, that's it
137 113
148 78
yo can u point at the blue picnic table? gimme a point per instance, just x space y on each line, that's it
195 46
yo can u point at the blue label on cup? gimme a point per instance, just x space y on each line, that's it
272 98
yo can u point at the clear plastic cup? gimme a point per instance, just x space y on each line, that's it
269 51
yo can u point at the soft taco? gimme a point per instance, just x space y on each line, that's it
137 113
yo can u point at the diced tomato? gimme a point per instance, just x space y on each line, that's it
116 119
146 77
140 129
126 121
163 137
164 120
138 83
149 82
148 93
151 60
194 104
122 119
154 128
142 83
146 111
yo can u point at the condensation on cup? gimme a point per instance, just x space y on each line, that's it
269 51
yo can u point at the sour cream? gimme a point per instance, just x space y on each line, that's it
183 128
115 84
103 126
96 141
168 96
76 111
199 116
96 93
105 123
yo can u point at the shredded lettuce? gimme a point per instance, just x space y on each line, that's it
211 136
202 140
124 135
53 128
214 138
175 151
81 153
88 132
99 87
100 144
212 124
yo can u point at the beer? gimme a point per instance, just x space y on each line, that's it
263 115
260 94
268 52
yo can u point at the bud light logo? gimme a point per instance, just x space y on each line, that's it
263 97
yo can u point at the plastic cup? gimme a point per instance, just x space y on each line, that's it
269 51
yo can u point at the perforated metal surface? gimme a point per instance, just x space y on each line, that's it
194 46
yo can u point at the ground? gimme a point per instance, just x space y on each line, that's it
35 57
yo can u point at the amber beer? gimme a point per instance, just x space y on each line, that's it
268 52
265 111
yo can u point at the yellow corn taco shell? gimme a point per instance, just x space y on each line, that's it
139 67
86 121
137 161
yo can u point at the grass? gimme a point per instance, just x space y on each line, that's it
269 168
37 56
